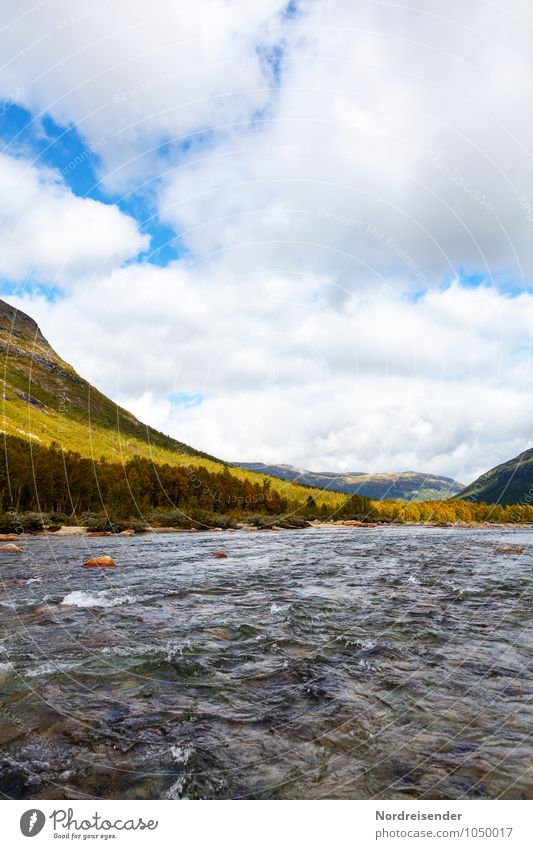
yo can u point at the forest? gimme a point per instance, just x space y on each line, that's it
61 485
46 486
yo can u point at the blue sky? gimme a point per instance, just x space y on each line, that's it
47 144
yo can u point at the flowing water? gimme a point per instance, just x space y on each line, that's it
349 663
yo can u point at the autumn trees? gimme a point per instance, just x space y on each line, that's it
48 480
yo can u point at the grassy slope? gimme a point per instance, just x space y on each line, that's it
44 399
509 483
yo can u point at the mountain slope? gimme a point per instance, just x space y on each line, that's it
44 400
509 483
405 486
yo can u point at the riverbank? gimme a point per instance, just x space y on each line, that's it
69 531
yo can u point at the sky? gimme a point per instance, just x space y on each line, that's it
281 232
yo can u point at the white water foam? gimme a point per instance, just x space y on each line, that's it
278 608
79 598
181 754
50 667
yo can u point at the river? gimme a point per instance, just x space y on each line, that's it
388 662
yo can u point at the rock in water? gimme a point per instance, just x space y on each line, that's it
10 547
219 554
103 562
510 549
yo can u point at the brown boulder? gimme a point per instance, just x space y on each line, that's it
219 554
103 562
5 537
9 546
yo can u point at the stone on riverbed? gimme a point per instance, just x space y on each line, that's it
219 554
103 562
510 549
71 531
9 546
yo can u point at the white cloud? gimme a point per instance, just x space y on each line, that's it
321 218
137 76
48 233
399 145
381 383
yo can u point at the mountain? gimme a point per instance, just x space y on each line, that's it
45 401
509 483
405 486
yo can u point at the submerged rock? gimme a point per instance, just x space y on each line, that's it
9 546
510 549
6 583
102 562
219 554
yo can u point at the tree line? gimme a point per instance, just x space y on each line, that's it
62 485
48 479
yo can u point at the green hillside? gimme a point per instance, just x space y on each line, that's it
45 401
509 483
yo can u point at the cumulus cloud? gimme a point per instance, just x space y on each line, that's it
161 71
441 384
49 234
399 145
353 188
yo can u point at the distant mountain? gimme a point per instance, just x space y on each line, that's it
406 486
509 483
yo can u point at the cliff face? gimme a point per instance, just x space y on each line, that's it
28 361
18 323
